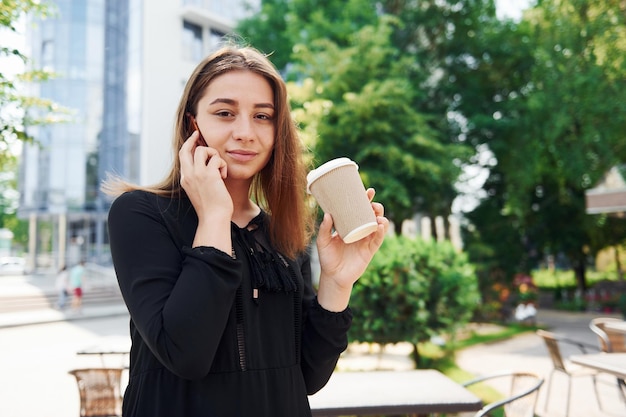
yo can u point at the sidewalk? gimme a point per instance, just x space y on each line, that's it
50 315
102 300
528 352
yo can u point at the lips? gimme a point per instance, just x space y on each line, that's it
242 155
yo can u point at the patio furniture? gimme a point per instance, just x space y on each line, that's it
370 393
521 397
100 391
553 342
113 351
610 341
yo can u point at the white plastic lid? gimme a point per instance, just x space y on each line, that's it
324 168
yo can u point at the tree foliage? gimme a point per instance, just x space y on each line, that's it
551 122
413 290
372 120
371 96
8 204
415 91
17 109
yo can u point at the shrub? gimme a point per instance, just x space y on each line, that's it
412 290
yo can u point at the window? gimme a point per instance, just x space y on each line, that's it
216 39
47 55
192 42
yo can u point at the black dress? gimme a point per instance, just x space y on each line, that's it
211 335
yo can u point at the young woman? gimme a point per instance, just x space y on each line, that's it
213 262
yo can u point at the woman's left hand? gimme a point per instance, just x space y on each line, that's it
342 264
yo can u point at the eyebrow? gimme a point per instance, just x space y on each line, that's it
232 102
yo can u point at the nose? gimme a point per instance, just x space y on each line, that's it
243 129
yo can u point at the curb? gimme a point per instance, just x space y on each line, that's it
26 318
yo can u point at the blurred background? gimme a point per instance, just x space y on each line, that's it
497 126
493 131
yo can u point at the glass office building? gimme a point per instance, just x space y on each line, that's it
120 68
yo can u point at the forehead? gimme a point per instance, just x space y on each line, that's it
240 84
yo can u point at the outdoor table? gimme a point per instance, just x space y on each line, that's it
108 346
425 391
610 363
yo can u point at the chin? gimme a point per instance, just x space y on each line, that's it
241 175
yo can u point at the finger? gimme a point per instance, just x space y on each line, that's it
370 194
216 162
185 154
325 228
379 236
384 222
223 169
186 150
379 209
191 140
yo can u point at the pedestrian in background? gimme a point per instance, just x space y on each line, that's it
62 288
213 262
77 276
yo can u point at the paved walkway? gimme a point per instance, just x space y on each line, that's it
50 315
528 352
24 289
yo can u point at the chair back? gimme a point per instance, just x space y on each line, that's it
521 399
610 341
100 391
552 343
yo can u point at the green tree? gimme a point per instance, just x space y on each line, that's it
268 32
378 95
17 110
8 203
579 82
550 120
280 26
445 39
372 121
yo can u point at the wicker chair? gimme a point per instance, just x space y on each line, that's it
100 391
553 342
610 341
522 394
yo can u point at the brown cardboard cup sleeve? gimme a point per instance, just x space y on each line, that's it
338 189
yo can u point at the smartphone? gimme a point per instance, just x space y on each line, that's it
195 126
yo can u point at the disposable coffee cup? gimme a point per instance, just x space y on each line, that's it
338 189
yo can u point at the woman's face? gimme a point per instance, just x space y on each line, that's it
236 117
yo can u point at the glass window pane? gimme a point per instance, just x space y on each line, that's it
192 42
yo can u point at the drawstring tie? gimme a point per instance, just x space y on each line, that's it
268 268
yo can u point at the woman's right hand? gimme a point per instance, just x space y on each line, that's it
202 174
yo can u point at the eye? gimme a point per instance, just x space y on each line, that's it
264 116
224 113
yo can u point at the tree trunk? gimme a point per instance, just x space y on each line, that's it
580 272
433 227
397 227
415 355
618 264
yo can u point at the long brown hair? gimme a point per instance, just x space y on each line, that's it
279 188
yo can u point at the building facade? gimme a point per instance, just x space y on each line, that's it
120 67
